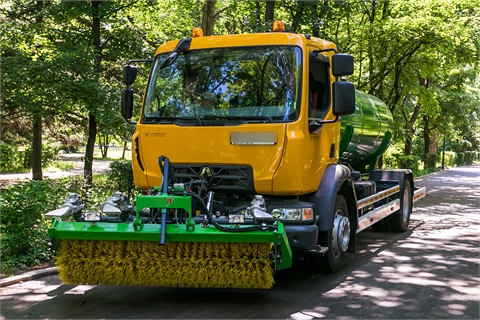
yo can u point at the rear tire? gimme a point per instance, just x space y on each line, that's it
399 221
336 239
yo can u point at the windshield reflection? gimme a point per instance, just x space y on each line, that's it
248 84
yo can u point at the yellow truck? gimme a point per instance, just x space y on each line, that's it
253 152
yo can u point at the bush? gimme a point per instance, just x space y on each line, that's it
121 173
24 231
14 160
24 237
10 158
469 157
409 162
390 158
460 160
49 154
450 158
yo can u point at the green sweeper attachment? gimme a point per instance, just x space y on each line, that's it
159 242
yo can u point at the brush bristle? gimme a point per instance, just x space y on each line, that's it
177 264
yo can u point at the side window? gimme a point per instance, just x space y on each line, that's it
319 88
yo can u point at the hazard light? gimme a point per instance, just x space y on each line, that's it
278 26
197 33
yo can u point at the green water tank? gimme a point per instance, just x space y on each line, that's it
365 135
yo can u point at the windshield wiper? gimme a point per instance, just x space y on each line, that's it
245 119
170 120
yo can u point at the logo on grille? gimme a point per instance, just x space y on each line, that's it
206 173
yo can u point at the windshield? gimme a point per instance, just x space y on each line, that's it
247 84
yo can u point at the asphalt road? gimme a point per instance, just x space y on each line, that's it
429 272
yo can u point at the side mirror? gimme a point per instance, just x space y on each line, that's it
127 103
342 65
129 74
343 98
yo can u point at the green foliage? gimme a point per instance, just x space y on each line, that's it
470 157
409 162
421 58
10 158
61 165
24 230
390 157
450 158
431 161
102 188
460 159
121 173
13 159
24 238
49 154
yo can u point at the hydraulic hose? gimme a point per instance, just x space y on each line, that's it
204 208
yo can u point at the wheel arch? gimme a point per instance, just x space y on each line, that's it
336 180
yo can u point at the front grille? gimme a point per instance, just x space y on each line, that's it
226 178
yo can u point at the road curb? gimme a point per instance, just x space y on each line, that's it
28 276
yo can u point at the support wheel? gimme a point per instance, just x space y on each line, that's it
336 240
399 221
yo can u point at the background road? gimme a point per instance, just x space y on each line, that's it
429 272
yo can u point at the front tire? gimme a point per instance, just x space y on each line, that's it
337 239
399 221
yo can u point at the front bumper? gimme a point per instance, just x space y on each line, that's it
301 237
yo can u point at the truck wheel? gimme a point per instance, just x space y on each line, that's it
336 240
399 221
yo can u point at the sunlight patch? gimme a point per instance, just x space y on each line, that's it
387 304
79 289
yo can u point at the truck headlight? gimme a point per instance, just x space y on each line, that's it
293 214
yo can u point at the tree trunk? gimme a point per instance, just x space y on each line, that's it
124 149
426 136
380 162
257 12
92 122
104 142
409 129
88 165
208 20
433 143
269 10
37 173
408 145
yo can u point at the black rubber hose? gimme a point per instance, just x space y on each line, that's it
216 224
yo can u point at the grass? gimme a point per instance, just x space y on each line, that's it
60 165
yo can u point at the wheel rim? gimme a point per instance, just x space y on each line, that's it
406 205
340 233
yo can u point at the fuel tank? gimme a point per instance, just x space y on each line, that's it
365 134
